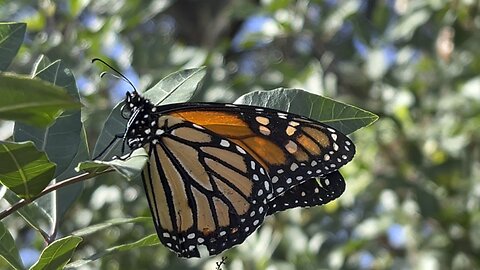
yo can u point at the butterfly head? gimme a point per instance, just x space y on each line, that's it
133 102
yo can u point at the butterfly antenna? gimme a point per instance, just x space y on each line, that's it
104 73
116 71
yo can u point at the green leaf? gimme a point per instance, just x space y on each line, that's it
147 241
8 249
41 63
32 101
47 211
346 118
129 168
33 214
98 227
150 240
61 139
25 170
176 87
114 125
11 38
57 254
67 195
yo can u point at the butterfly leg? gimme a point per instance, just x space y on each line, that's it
115 138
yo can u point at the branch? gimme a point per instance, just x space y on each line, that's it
58 185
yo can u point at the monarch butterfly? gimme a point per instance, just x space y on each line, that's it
215 171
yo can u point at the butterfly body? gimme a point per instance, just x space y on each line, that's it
216 170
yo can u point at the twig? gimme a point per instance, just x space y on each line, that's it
66 182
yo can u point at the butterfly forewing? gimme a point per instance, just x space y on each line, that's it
203 189
291 148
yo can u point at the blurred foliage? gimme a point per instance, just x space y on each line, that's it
413 190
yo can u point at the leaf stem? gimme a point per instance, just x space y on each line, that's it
58 185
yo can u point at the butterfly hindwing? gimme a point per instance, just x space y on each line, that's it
312 192
203 189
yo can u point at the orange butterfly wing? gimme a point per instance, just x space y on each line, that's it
291 148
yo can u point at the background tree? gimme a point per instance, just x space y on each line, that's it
412 198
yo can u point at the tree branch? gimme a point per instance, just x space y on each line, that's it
58 185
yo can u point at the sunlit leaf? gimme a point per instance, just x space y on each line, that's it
32 101
25 170
11 38
105 225
129 168
41 63
61 139
67 196
114 126
344 117
150 240
33 214
8 249
57 254
176 87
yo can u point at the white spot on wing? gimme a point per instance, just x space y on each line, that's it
293 167
224 143
240 150
275 179
335 146
293 123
